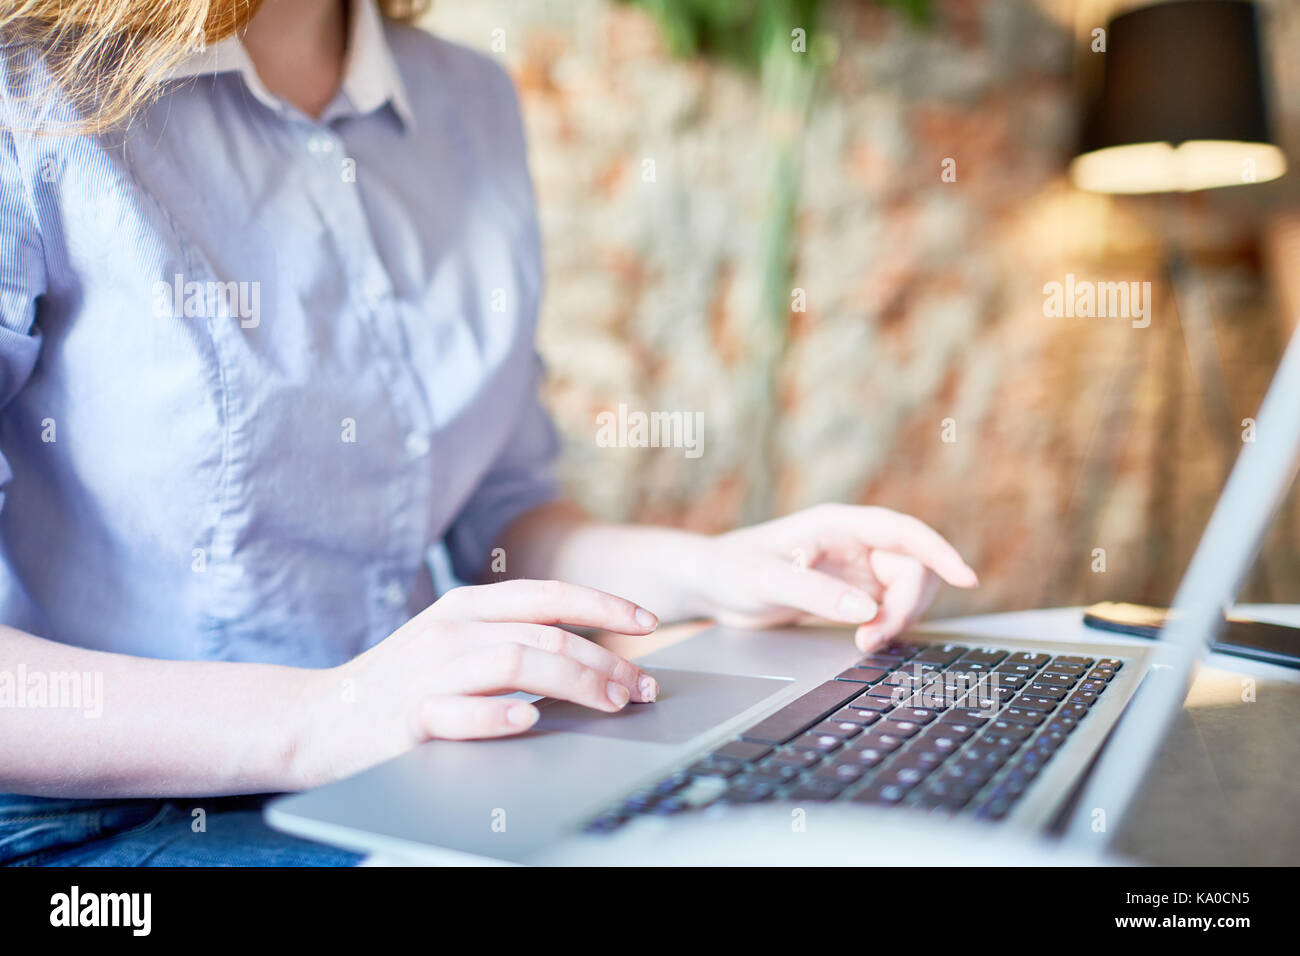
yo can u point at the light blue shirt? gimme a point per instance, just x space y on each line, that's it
260 373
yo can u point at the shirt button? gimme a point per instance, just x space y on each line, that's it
394 595
320 144
417 446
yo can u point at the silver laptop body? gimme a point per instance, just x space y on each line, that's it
537 797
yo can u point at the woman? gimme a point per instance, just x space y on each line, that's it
268 282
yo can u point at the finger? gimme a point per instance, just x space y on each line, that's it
905 599
544 602
507 667
903 534
474 718
816 592
857 571
641 686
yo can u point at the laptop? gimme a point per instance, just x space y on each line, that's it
981 733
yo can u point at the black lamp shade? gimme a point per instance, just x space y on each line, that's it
1182 72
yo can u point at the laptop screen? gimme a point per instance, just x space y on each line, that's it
1259 481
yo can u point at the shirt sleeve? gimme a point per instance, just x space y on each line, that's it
22 282
521 478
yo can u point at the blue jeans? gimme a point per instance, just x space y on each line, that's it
43 831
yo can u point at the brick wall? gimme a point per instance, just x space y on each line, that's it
924 298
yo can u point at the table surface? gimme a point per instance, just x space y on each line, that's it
1224 790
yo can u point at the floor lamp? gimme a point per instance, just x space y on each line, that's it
1182 107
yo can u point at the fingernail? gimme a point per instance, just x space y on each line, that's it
522 715
617 694
646 619
649 688
856 606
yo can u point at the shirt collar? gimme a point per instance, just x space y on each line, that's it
370 74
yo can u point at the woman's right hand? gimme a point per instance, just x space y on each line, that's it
439 674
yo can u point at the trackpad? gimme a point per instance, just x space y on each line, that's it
690 703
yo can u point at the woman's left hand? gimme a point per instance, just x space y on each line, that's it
856 565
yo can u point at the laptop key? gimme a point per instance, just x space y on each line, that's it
900 728
993 742
994 808
605 823
881 705
876 738
817 788
1072 710
778 772
970 716
714 767
863 675
749 792
640 802
992 694
1045 690
1031 761
936 697
917 715
842 728
671 784
1074 670
843 773
669 807
968 772
743 751
1113 663
895 652
983 655
1034 702
1007 728
967 666
800 714
1014 784
800 757
1026 657
1012 667
1056 680
947 793
1062 724
943 654
958 732
1101 673
986 760
825 743
1012 680
926 756
1023 715
881 794
856 715
916 680
902 776
1048 741
1096 686
864 757
1071 659
1085 697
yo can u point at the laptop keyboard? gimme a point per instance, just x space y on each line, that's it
942 727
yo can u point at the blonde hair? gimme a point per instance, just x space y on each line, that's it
108 57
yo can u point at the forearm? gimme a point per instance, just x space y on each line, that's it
112 725
658 568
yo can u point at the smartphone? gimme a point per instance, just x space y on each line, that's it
1241 637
